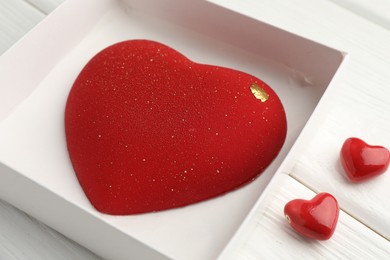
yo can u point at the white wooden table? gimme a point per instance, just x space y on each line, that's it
23 237
358 27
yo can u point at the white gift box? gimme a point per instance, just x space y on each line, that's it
37 73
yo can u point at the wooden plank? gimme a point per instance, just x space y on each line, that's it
17 17
365 94
319 167
268 236
376 11
23 237
360 105
360 108
46 6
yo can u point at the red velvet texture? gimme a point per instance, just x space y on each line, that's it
147 129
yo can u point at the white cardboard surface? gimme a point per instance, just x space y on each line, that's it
33 154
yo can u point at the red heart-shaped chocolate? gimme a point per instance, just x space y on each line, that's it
147 129
316 218
362 161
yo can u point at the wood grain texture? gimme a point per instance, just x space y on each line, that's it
376 11
45 6
17 17
360 108
319 167
23 237
268 235
360 105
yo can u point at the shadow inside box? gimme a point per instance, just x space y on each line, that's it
174 228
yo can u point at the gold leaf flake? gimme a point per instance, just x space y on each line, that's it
259 93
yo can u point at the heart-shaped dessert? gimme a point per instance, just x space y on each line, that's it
362 161
147 129
316 218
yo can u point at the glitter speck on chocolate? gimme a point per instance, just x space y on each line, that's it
147 129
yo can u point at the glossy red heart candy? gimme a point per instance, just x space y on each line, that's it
147 129
316 218
362 161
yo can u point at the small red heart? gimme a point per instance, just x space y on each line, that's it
147 129
362 161
316 218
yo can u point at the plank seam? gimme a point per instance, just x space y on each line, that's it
36 7
341 208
